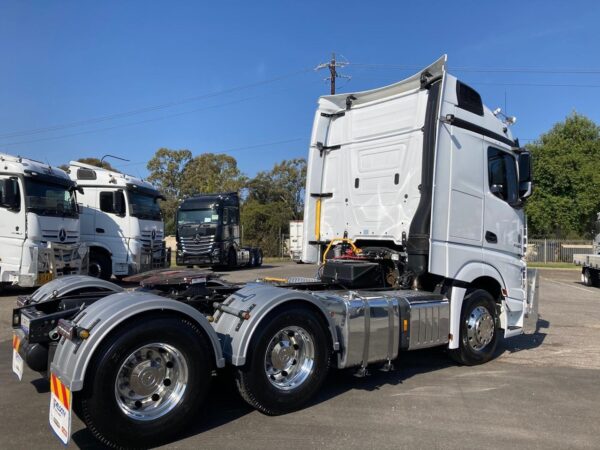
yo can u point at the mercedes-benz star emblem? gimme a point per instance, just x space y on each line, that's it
197 238
62 235
153 234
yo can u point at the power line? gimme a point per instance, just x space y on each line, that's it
230 150
537 84
150 108
154 119
585 71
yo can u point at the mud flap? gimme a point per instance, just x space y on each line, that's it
531 308
60 416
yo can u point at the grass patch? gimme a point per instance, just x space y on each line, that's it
552 265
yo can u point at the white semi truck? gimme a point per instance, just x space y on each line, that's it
590 264
418 189
121 222
39 223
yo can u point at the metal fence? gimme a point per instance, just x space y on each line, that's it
556 250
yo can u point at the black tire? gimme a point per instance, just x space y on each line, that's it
259 258
475 344
97 404
587 277
253 383
252 258
100 265
232 259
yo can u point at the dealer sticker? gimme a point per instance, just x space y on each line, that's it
60 409
17 360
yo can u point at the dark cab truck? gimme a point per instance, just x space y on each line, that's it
208 233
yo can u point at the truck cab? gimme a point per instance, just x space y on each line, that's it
424 170
39 223
208 233
121 222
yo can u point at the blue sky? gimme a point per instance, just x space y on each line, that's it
66 62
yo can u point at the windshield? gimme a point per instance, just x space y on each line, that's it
144 206
197 216
49 199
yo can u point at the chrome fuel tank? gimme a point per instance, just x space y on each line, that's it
373 326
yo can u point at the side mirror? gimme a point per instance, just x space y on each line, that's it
525 189
525 175
11 198
119 203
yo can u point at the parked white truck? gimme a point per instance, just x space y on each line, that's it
296 236
39 223
590 264
121 222
429 186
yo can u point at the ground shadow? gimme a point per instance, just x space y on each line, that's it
525 341
227 406
41 385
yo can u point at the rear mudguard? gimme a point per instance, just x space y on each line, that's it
69 284
259 300
72 358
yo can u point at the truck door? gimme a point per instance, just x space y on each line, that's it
12 225
503 231
111 223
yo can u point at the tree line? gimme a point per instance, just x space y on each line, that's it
269 200
565 203
566 173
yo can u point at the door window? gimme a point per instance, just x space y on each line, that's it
112 202
502 175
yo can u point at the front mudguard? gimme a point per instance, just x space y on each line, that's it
532 307
68 284
72 357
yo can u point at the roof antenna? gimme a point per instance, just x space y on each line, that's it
112 156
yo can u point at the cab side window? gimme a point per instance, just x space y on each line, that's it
233 216
112 202
10 194
502 175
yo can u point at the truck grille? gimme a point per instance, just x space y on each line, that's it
71 237
147 240
196 245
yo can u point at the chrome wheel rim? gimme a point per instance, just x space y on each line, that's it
480 328
290 358
151 381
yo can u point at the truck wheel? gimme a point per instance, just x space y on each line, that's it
143 388
100 266
478 329
587 278
259 258
231 259
287 363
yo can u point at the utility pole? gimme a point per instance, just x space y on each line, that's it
333 65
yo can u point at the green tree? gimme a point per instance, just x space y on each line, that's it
567 180
166 172
93 162
274 198
284 185
209 173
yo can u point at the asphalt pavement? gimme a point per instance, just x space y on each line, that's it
541 391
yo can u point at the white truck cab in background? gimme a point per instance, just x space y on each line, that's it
39 223
121 222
